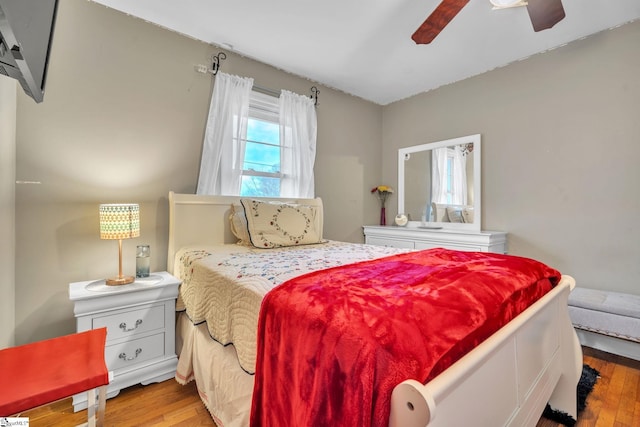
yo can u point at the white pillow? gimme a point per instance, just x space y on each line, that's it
276 224
455 214
467 214
238 224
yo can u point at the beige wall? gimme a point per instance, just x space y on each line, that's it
123 121
7 202
561 143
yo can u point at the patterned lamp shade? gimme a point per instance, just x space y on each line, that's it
119 221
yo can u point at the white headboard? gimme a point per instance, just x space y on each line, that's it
204 220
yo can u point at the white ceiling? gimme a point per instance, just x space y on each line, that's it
364 48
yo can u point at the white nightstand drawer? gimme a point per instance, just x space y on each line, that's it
131 322
135 351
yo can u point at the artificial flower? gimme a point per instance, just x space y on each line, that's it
383 192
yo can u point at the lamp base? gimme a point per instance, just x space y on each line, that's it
121 280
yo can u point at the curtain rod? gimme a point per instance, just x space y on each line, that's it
215 67
266 90
273 92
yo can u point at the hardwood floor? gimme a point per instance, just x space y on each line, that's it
615 399
614 402
163 404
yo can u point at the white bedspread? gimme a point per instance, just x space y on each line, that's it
224 285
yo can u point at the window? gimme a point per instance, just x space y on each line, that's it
449 176
261 170
257 145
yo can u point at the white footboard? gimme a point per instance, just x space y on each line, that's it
508 379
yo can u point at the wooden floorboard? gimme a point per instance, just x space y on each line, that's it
615 399
614 402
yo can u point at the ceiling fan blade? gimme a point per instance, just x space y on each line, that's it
439 18
545 14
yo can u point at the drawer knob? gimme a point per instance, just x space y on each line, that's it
123 355
123 326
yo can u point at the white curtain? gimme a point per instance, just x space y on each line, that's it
459 196
298 133
439 175
225 135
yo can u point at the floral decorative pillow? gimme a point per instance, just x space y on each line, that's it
273 225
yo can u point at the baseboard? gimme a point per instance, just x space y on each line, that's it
606 343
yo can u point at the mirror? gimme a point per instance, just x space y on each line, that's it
439 184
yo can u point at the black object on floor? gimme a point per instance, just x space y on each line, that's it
585 386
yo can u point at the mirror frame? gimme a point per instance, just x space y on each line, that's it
477 184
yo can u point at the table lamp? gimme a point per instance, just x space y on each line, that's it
119 221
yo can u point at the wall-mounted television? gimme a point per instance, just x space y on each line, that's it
26 32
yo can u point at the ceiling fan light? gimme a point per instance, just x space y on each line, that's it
503 4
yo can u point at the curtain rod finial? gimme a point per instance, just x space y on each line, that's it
215 62
314 95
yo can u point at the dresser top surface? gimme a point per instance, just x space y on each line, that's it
408 229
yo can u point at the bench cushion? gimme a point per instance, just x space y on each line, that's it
610 313
46 371
609 302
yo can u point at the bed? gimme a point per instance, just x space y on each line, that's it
507 379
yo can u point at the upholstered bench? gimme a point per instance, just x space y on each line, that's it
46 371
608 321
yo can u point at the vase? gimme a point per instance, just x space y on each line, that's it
143 253
383 216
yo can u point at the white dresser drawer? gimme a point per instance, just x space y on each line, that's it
132 322
446 245
429 238
129 353
392 243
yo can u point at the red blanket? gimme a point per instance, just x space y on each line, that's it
332 344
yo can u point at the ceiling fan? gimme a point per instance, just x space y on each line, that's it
543 14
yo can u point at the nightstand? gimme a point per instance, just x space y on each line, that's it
140 322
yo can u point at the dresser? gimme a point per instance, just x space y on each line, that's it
140 322
420 238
